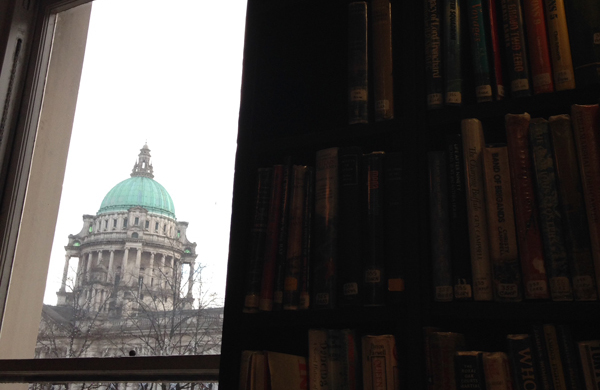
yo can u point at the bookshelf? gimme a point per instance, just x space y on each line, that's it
294 103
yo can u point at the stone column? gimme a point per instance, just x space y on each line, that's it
88 266
138 263
79 276
63 285
99 260
151 271
191 279
124 265
163 280
111 259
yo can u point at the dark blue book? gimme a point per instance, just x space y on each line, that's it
433 54
479 51
515 49
522 361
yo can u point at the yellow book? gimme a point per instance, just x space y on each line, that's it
560 49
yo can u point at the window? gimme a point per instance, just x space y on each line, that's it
134 235
156 226
124 223
136 221
147 225
114 223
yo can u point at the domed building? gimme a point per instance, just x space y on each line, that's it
136 283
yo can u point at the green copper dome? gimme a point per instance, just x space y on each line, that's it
139 190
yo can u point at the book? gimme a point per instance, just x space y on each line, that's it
433 54
556 369
460 256
374 260
245 373
570 194
538 50
350 226
589 354
395 241
495 51
307 241
452 45
293 264
522 362
497 371
515 48
258 234
429 374
529 238
272 240
541 359
473 144
585 123
282 237
551 223
383 80
504 256
380 364
351 376
583 24
286 371
439 227
325 228
469 370
335 359
479 51
569 357
318 368
560 48
358 69
259 374
443 346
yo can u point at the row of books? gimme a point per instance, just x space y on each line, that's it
335 362
545 358
534 46
521 219
306 219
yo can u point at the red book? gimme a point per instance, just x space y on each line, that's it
537 40
585 122
496 56
529 237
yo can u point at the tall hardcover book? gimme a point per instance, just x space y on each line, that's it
307 238
557 373
335 359
326 228
497 371
272 240
460 256
374 266
542 361
560 48
380 363
258 235
473 144
433 54
529 238
318 368
539 52
439 227
383 86
350 225
495 51
589 354
358 70
522 361
293 264
286 371
351 375
570 194
550 217
396 242
569 357
469 370
585 121
583 21
504 255
452 52
443 347
282 237
479 51
515 48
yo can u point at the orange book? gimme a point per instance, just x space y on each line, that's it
537 40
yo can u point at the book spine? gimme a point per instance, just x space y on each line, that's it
443 347
258 234
374 272
335 359
282 238
380 364
497 371
495 53
351 374
452 52
479 51
440 228
522 361
552 350
501 225
560 48
589 353
473 143
585 123
350 234
358 71
381 22
550 216
570 194
516 54
539 53
326 228
307 239
469 370
568 353
318 369
428 352
541 357
460 257
529 238
271 241
583 21
433 54
395 236
293 265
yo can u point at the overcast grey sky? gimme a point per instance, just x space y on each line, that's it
167 73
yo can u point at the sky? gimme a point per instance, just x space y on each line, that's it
167 74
